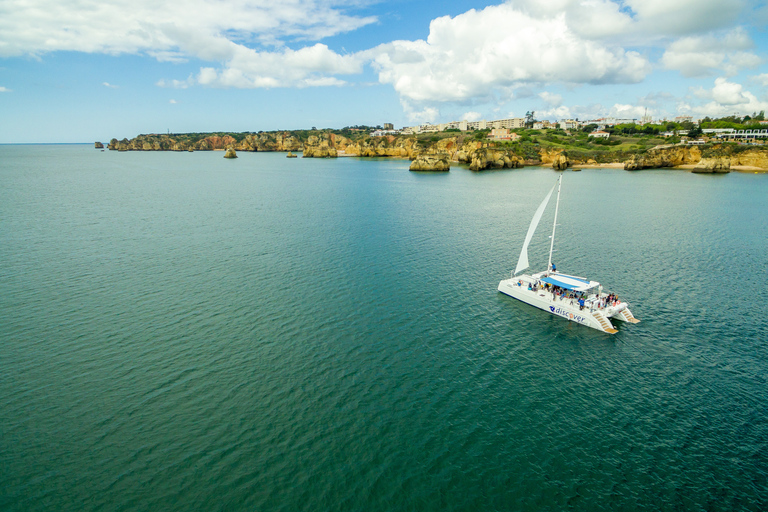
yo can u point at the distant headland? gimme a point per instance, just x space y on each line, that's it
615 147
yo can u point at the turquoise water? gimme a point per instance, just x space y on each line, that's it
183 332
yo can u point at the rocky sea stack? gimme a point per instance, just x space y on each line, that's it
230 153
718 165
429 163
476 151
560 162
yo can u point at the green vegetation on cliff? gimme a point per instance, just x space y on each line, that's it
640 145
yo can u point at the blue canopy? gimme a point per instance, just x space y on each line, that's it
569 282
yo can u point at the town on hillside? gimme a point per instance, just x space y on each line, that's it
736 128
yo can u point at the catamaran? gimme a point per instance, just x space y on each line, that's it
576 298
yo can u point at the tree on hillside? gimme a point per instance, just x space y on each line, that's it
529 119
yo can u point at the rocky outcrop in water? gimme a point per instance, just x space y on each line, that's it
664 157
463 148
431 163
486 158
98 145
713 165
320 147
231 153
560 162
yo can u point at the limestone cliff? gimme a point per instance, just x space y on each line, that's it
753 157
664 157
463 148
438 163
486 158
320 147
560 162
713 165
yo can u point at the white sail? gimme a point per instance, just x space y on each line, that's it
522 262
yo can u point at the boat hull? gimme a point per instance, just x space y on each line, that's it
565 308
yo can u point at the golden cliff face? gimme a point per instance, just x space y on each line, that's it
752 158
479 154
664 157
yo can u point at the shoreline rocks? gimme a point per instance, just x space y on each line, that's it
717 165
560 162
480 155
429 163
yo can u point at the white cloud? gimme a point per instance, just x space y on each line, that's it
307 67
761 79
561 112
553 100
486 57
727 98
704 55
425 115
637 21
172 102
177 30
478 53
682 17
175 84
472 116
109 85
169 30
623 111
4 89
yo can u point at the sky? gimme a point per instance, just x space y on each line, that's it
91 70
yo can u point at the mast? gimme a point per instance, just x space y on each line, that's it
554 224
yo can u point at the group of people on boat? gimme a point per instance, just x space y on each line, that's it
583 299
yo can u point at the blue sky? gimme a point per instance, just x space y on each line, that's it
87 70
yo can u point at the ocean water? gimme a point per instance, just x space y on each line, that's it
183 332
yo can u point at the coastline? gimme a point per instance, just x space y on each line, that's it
479 154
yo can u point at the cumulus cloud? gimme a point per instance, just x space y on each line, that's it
307 67
560 112
472 116
479 52
553 100
34 27
682 17
727 98
225 31
514 50
618 110
761 79
175 84
424 115
704 55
